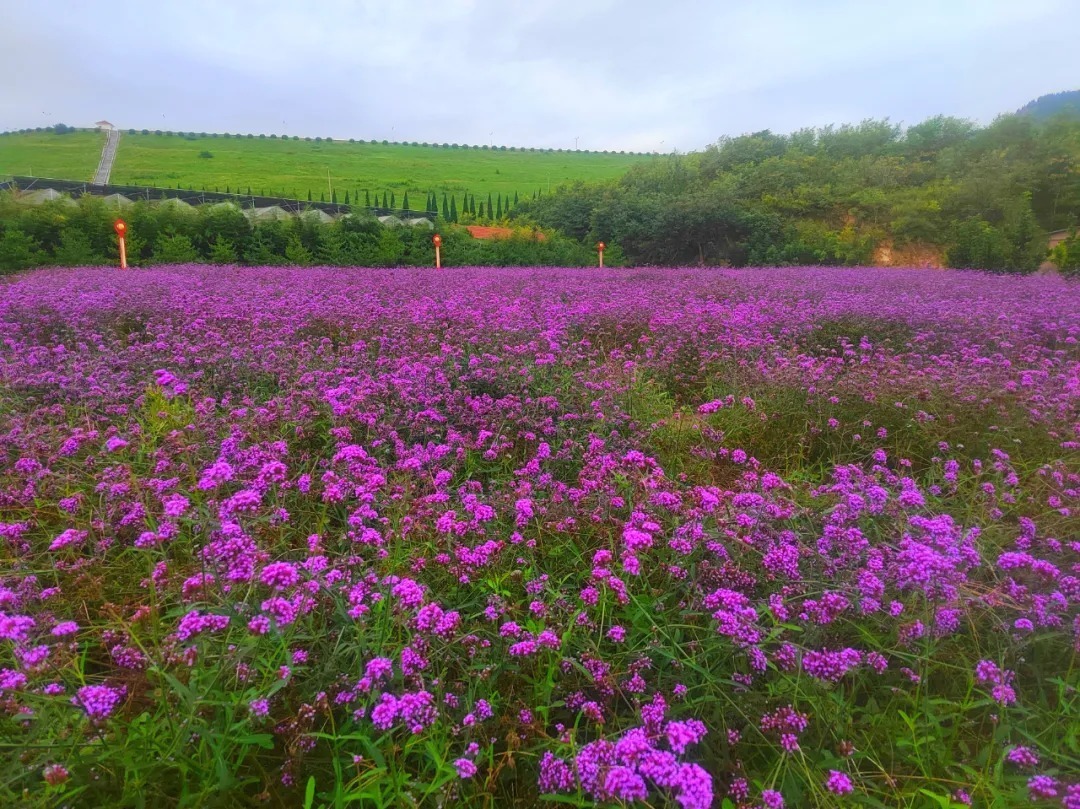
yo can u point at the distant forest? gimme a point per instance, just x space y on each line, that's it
945 192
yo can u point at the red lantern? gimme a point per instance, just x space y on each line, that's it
120 227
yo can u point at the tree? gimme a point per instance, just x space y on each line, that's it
453 217
367 198
75 249
346 197
17 251
309 195
322 196
176 249
405 201
223 251
333 195
978 245
481 209
445 208
393 199
472 204
498 210
490 209
515 199
296 253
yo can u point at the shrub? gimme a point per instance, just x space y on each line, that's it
176 249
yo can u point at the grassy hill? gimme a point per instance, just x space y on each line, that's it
72 156
293 167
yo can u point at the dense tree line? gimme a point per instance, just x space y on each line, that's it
62 129
62 233
978 197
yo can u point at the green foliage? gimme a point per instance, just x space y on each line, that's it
834 195
1066 256
75 249
18 251
223 251
175 249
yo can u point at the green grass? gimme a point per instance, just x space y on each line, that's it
73 156
291 168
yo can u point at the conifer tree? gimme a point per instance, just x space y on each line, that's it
498 210
346 197
472 204
453 209
367 198
405 201
322 196
309 195
490 208
515 199
445 207
333 196
393 199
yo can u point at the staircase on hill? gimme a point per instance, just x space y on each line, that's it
108 155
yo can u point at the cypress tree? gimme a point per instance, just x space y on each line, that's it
322 196
333 196
309 195
481 209
453 209
249 191
472 204
405 201
346 197
367 198
490 207
498 210
445 208
393 200
227 191
515 199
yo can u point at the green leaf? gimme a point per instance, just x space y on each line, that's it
309 793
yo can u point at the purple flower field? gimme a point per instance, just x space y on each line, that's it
493 537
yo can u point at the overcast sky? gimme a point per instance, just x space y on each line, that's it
616 74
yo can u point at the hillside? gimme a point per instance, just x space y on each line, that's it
1048 106
944 191
74 155
294 167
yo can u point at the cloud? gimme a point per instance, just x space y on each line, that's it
616 75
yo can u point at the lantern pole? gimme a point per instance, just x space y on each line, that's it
437 241
121 232
600 250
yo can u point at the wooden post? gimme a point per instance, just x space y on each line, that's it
600 249
437 241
